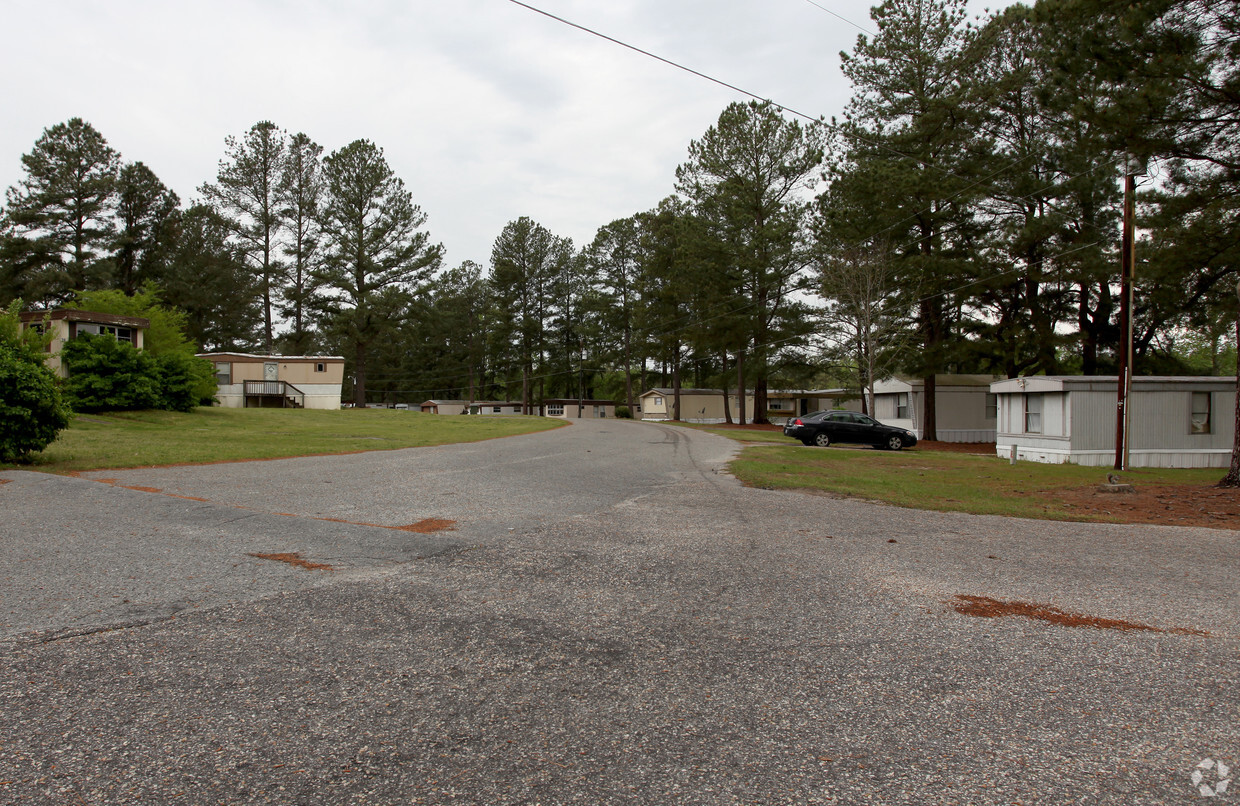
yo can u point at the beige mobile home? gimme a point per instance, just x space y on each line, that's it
783 405
696 405
445 407
495 407
66 323
1174 421
574 409
706 405
277 381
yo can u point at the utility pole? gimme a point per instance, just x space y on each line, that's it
1232 479
1123 412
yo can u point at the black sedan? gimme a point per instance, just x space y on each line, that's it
826 427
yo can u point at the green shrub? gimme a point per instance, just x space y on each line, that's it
186 381
32 409
622 412
108 375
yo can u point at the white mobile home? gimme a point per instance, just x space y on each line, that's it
965 408
1174 421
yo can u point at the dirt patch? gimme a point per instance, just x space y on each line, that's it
985 607
1170 505
292 558
143 489
5 481
428 526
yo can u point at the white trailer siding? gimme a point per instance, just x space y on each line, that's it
1079 421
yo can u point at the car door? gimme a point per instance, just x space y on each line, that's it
838 425
868 430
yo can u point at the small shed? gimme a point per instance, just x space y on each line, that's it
277 381
66 324
1173 421
579 409
965 406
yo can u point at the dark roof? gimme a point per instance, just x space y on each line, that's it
94 317
255 358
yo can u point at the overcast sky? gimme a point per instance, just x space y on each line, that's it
487 110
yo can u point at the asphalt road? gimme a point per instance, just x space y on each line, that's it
609 618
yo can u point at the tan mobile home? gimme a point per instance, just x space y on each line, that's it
66 324
277 381
574 409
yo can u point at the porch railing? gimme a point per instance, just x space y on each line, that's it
291 395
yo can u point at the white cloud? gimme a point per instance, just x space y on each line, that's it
488 111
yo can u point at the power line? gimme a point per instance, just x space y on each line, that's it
843 19
815 120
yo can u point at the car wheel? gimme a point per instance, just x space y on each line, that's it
894 443
822 439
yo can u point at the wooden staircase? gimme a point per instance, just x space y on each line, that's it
265 393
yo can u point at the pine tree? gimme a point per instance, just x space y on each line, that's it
375 258
61 214
300 194
145 211
246 192
748 179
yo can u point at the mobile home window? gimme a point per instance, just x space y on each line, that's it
1201 413
320 367
223 373
1033 414
555 409
992 406
902 406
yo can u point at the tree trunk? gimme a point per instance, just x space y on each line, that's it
740 387
760 403
929 425
628 374
359 377
676 386
727 409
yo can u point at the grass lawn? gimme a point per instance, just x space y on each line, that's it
952 482
144 438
